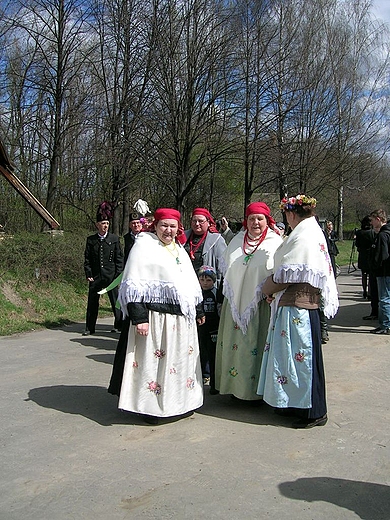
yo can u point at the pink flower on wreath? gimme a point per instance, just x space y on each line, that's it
154 387
299 356
190 383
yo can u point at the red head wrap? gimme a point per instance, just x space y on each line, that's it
259 208
205 213
170 213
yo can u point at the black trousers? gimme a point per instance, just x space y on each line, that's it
318 392
93 304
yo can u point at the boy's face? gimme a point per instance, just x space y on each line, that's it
206 282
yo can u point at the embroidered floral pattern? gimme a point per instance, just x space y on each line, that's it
135 364
159 353
190 383
296 321
235 346
236 327
299 356
154 387
282 380
254 352
233 372
190 349
324 250
267 347
173 370
283 333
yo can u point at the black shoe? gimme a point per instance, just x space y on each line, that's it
288 412
324 337
370 317
381 331
310 423
88 333
150 419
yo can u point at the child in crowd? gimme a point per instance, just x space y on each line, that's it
207 333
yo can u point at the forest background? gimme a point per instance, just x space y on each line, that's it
189 103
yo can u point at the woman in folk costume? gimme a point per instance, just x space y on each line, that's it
247 262
292 375
204 244
160 291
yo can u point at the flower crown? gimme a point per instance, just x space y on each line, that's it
291 203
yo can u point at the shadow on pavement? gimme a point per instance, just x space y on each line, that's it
368 500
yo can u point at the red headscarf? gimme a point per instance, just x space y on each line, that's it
205 213
170 213
260 208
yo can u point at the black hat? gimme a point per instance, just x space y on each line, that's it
134 215
104 212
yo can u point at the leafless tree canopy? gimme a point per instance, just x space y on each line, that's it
192 102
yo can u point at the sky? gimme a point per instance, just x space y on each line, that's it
381 9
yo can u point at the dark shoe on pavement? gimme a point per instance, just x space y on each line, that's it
150 419
381 331
370 317
117 331
88 333
310 423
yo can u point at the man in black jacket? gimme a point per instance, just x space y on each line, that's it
381 265
103 262
135 227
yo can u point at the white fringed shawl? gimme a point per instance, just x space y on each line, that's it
303 258
152 275
243 283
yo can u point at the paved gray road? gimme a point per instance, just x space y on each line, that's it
68 453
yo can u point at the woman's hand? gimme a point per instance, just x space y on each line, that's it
201 321
270 298
142 329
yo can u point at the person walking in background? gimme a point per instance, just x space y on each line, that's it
332 246
292 377
247 262
204 244
160 293
208 328
365 240
103 262
381 268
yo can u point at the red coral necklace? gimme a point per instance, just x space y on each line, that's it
193 249
250 246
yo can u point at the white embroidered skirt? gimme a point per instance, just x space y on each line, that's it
162 374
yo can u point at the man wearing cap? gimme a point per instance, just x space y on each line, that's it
135 227
103 262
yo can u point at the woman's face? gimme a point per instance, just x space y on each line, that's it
199 224
256 224
166 230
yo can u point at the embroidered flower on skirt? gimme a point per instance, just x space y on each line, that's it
159 353
299 356
190 349
296 321
173 370
190 383
235 346
135 364
154 387
233 372
267 347
254 352
282 380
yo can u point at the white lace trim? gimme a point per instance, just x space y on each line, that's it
242 320
301 273
155 291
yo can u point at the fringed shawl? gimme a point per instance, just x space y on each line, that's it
153 275
243 282
304 258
